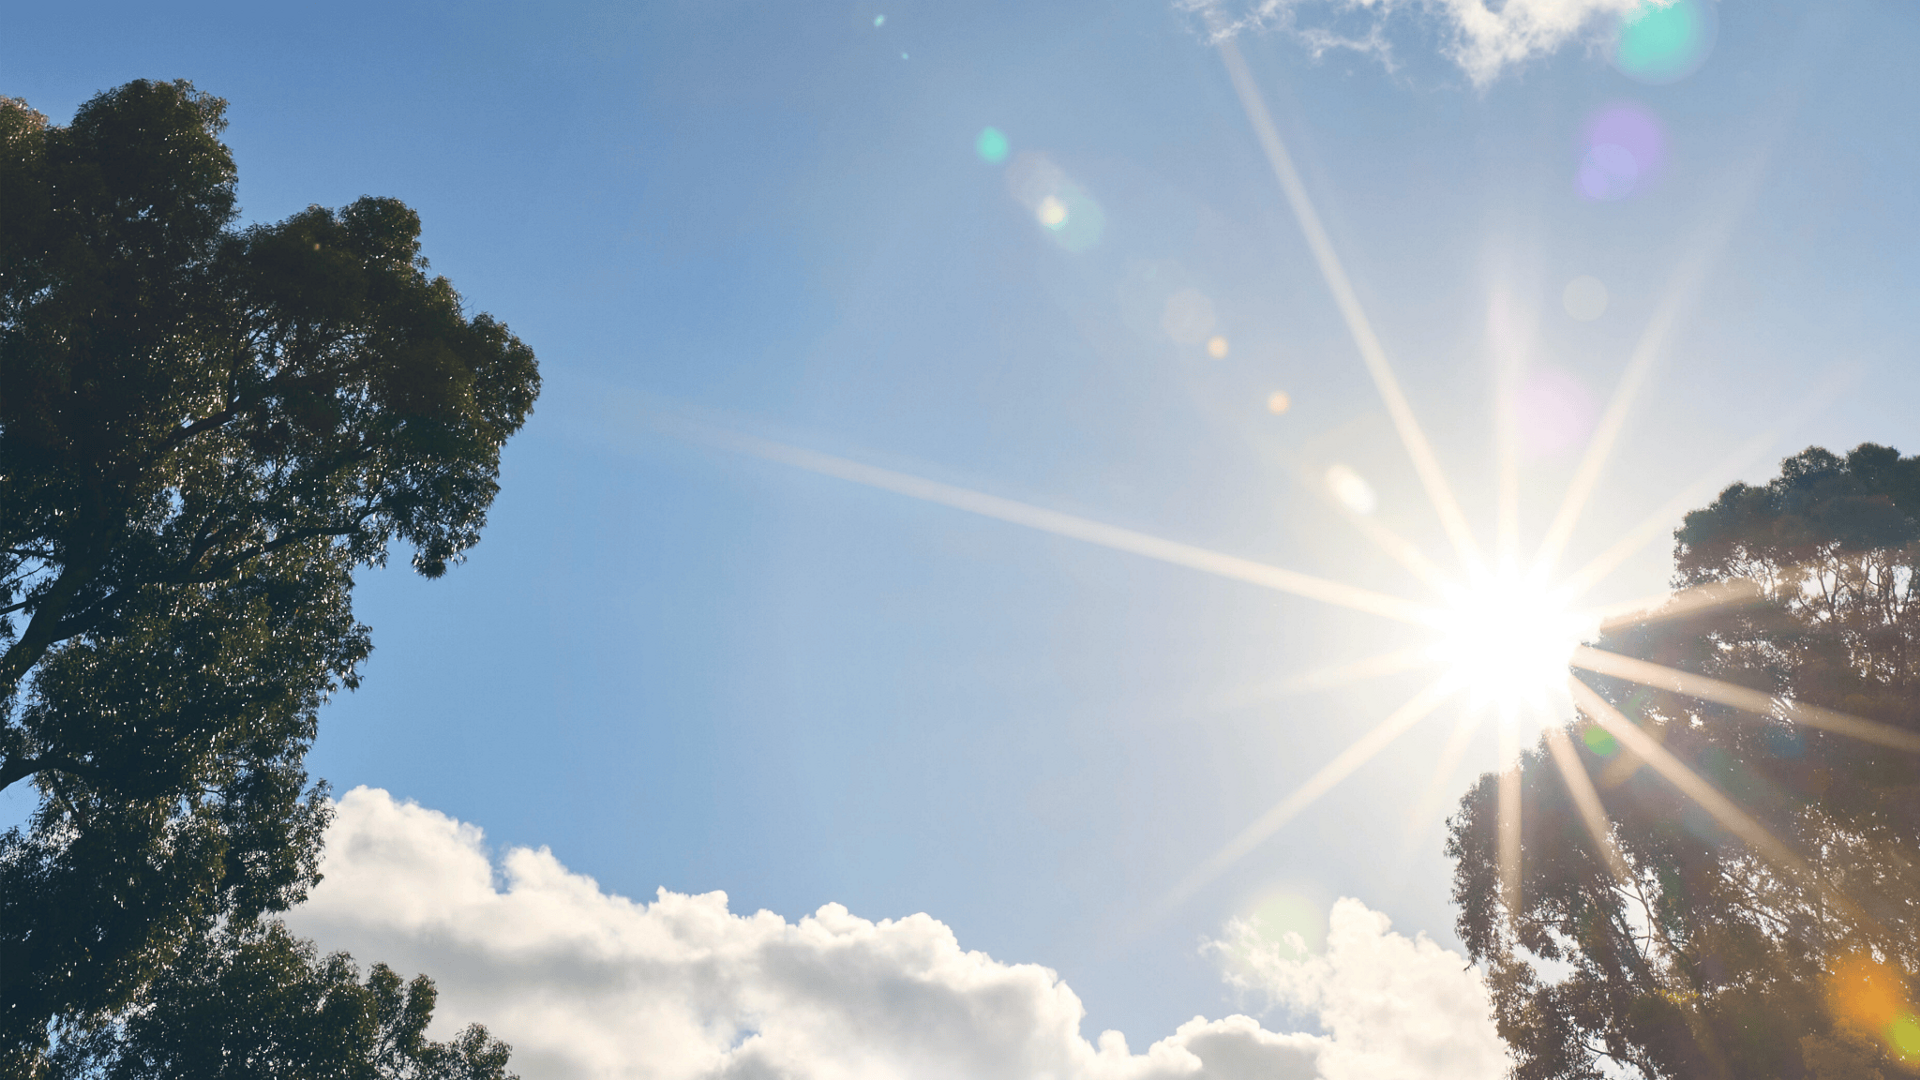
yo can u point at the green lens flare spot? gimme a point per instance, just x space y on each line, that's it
1903 1035
879 21
1663 43
1600 742
991 146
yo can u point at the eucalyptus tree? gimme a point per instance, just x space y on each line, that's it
1767 921
250 1001
206 430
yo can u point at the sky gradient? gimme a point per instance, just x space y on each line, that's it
675 665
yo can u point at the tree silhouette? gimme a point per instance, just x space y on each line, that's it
251 1000
205 431
1780 938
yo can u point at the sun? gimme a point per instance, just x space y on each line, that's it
1506 640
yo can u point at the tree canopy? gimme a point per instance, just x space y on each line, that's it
252 1001
1766 923
205 431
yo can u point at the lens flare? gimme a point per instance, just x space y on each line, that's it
1600 742
1868 996
992 146
1288 915
1553 411
1351 490
1623 150
1064 209
1585 298
1217 347
1279 402
1660 44
1188 317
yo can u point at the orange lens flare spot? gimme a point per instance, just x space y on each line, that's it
1278 402
1870 997
1217 347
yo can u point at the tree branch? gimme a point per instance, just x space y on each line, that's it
20 767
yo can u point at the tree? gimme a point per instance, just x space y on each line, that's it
205 431
1780 938
252 1001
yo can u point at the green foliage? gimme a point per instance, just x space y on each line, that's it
205 431
1711 961
250 1000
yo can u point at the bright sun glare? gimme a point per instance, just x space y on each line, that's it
1507 641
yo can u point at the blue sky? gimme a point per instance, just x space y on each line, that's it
684 667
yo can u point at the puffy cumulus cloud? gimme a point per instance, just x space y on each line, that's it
1484 39
1391 1006
590 985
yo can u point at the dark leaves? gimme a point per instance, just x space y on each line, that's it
204 433
250 1000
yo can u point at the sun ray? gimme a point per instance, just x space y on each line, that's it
1425 463
1759 702
1506 441
1331 677
1709 798
1607 431
1675 604
1059 524
1509 814
1412 712
1687 279
1587 801
1825 389
1403 551
1660 522
1451 753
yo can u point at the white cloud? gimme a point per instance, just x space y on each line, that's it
1392 1006
1483 39
590 985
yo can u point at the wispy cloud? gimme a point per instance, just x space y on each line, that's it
589 984
1484 40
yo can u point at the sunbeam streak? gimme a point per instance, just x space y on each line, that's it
1401 550
1425 463
1587 801
1825 389
1757 702
1508 809
1678 604
1709 798
1443 766
1600 446
1407 715
1331 677
1506 444
1685 284
1660 522
1059 524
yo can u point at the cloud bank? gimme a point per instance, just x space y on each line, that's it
1484 40
586 984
